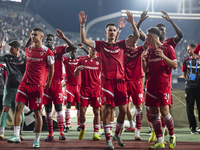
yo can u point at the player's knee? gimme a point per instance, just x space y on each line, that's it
6 108
48 108
77 105
58 107
68 105
37 113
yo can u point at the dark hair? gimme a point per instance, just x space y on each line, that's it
154 30
38 29
111 24
15 44
160 25
49 35
192 45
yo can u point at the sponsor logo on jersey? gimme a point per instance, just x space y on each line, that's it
73 63
92 68
112 51
155 59
34 59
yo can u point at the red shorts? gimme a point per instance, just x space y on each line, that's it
114 92
53 94
92 98
72 93
129 99
30 94
158 97
135 90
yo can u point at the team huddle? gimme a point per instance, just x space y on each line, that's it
110 76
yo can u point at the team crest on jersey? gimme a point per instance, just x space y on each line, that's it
97 62
54 51
29 50
104 98
38 101
85 60
41 53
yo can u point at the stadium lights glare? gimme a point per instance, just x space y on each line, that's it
190 16
122 13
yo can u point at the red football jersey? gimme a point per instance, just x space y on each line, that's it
90 75
58 53
133 64
170 41
111 58
197 50
70 66
37 65
159 71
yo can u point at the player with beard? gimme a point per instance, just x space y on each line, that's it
72 90
35 80
112 66
54 93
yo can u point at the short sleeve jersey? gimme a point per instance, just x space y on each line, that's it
197 50
37 65
58 53
133 64
15 67
90 75
170 41
70 66
159 71
111 58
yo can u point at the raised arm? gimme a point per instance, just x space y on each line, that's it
143 16
80 45
144 57
179 34
61 35
121 25
3 43
82 20
136 35
28 43
144 63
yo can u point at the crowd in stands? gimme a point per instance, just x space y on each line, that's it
15 24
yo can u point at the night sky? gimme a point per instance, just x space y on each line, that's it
63 14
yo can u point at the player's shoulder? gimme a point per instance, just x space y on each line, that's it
166 46
2 66
45 48
187 59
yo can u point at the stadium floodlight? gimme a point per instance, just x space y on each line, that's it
122 13
187 16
